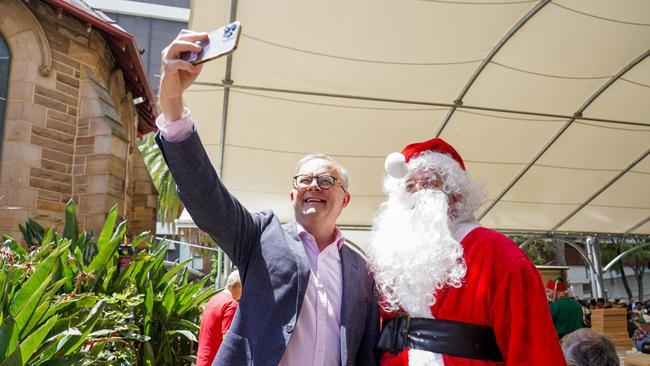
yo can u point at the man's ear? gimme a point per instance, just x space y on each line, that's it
346 199
291 195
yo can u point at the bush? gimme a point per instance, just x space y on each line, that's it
68 300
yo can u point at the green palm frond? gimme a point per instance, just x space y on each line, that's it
169 204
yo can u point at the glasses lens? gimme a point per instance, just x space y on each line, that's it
421 180
325 181
303 181
409 185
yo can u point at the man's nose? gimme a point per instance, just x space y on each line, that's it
313 186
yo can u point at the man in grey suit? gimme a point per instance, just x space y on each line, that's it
307 298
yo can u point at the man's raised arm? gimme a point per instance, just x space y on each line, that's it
207 200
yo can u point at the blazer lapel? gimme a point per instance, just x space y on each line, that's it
298 249
353 289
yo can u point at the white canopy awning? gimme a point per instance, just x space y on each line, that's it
547 102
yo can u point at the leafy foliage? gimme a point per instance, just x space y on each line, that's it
638 260
539 250
68 300
169 204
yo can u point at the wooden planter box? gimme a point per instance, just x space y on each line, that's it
612 323
640 359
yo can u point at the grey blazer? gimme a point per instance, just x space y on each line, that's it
273 266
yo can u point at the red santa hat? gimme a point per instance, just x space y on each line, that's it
396 163
556 284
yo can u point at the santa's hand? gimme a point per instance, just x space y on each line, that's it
178 74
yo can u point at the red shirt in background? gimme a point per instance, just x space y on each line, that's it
215 322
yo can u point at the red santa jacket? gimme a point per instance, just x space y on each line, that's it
502 289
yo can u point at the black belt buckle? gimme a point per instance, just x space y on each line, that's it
400 332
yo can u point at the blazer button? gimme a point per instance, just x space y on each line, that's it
288 328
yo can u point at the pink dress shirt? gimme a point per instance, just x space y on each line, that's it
316 339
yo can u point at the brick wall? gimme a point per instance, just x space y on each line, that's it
70 133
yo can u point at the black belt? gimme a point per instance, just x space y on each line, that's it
440 336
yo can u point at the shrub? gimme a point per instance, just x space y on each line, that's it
68 300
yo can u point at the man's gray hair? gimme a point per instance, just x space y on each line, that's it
585 347
343 173
233 279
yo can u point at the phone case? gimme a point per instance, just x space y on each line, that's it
221 41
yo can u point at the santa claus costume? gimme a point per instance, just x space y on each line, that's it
454 293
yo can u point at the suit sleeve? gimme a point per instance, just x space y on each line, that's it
367 354
213 209
522 321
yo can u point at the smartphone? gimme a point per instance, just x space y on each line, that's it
221 41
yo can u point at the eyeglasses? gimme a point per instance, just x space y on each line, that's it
302 181
424 181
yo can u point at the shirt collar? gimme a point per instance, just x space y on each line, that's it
338 239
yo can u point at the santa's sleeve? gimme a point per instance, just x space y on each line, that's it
522 320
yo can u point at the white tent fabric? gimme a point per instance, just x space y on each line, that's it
547 102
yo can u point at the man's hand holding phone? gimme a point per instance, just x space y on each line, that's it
182 59
220 42
178 74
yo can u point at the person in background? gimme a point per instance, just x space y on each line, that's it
586 313
565 311
217 318
584 347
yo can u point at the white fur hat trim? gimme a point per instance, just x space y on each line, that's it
395 165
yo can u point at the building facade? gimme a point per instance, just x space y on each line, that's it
76 100
153 23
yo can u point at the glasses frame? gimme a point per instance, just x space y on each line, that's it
336 181
432 181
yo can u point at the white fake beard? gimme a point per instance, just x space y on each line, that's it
412 252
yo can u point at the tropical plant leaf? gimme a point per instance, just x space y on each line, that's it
49 237
184 324
14 246
68 305
169 204
139 239
4 282
28 288
148 307
154 266
111 273
87 326
185 333
168 300
66 360
191 297
14 359
71 230
26 310
167 276
67 270
34 340
148 356
107 229
8 337
108 248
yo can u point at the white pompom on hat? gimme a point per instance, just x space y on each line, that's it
396 163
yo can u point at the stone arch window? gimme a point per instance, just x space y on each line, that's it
5 61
